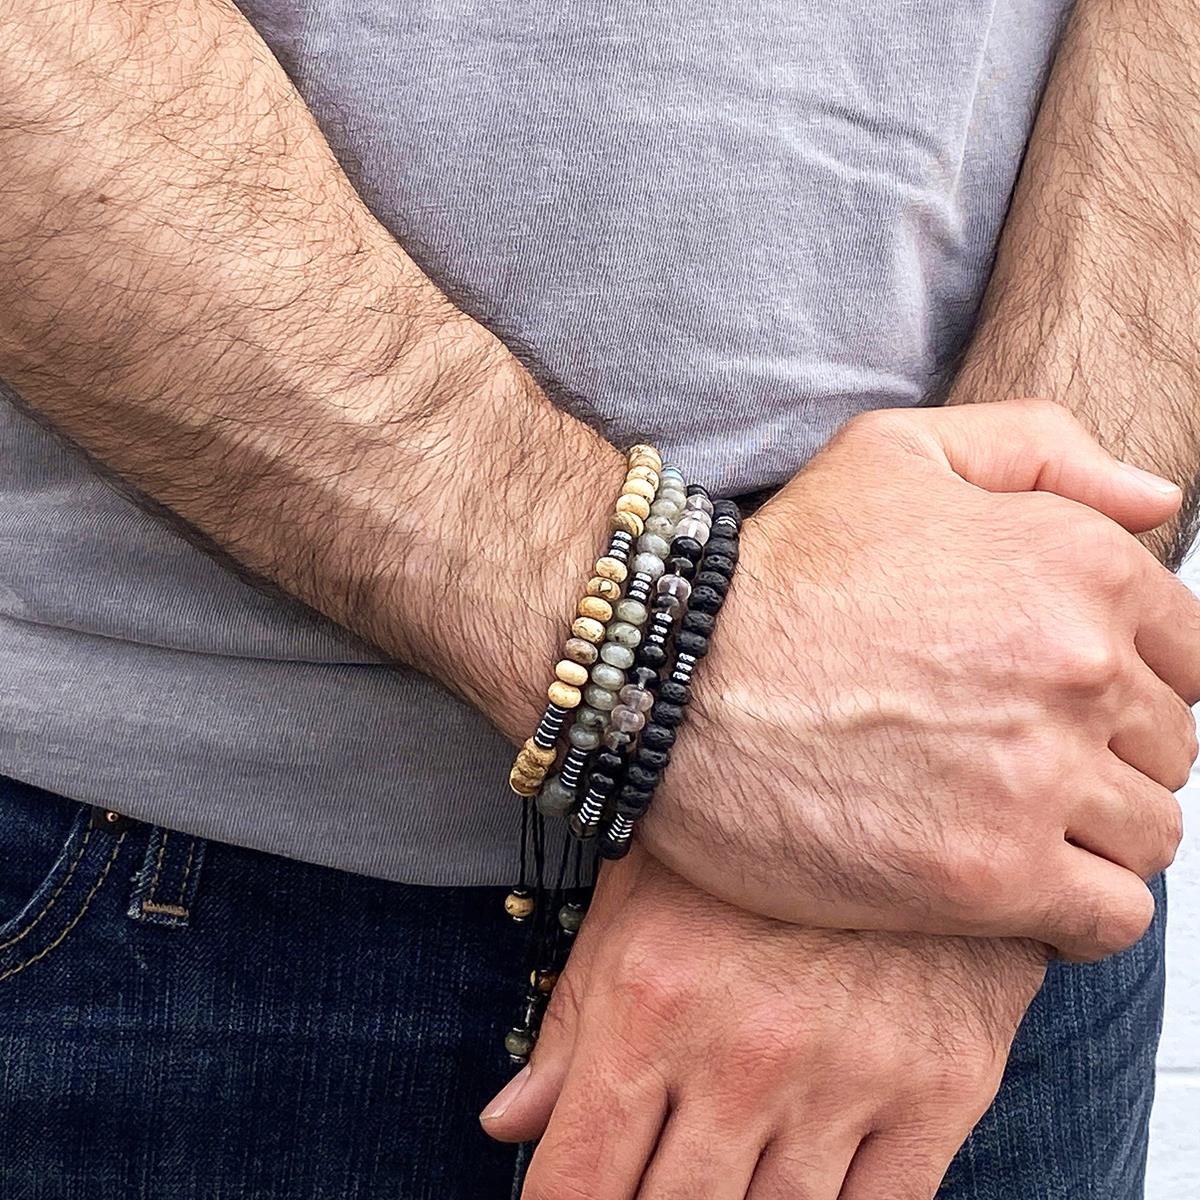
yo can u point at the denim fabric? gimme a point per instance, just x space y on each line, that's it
192 1021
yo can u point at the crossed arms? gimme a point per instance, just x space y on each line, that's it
172 214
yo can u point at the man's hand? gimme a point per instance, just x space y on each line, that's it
941 701
694 1051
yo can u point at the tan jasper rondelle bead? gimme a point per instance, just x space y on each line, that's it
639 487
643 455
627 522
606 589
563 694
589 629
594 607
523 785
612 568
649 474
538 754
634 504
571 672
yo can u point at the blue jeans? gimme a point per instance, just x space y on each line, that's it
182 1020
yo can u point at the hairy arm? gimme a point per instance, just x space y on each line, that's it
1093 301
191 290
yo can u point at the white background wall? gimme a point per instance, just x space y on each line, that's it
1175 1132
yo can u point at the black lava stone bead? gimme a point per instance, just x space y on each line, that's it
695 644
642 777
658 737
720 563
608 763
674 692
704 600
651 655
699 622
666 714
725 547
653 760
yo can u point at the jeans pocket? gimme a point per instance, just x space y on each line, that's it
53 860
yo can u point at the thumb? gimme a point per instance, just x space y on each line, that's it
520 1111
1036 445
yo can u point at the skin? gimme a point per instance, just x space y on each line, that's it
192 293
787 1065
1087 222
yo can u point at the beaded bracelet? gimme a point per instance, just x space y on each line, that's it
703 598
623 720
588 629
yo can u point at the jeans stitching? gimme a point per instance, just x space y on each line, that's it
58 891
148 902
112 858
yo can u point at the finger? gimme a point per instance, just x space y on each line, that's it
811 1168
602 1131
1035 445
1168 634
1098 909
1156 734
900 1165
702 1156
521 1110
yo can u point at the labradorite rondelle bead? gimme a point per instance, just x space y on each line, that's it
649 565
666 508
609 677
632 611
651 543
624 634
519 1043
579 651
590 718
635 698
570 917
616 655
555 799
664 526
600 697
583 738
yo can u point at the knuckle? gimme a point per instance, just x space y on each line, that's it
656 989
975 882
878 425
1083 662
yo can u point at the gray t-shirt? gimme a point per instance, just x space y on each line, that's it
730 226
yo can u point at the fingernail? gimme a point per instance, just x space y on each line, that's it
501 1101
1164 487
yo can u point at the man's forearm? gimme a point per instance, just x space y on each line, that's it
191 291
1094 301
